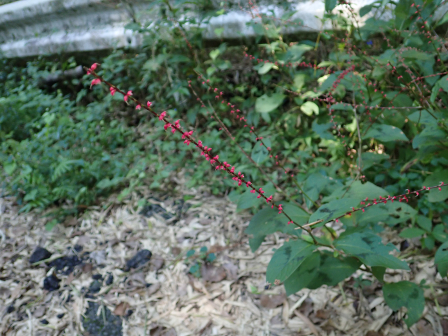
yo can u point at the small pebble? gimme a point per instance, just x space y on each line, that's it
44 321
39 254
51 283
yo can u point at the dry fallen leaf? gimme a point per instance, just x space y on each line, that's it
232 270
120 309
212 273
153 288
272 301
156 263
87 268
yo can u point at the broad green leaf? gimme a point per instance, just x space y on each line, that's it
320 268
265 68
365 9
415 54
287 258
357 190
411 233
309 108
296 51
369 249
266 104
434 195
389 213
248 199
431 135
332 210
385 133
378 272
259 152
369 159
214 54
300 80
441 259
439 233
323 130
330 5
313 186
268 221
10 167
425 223
405 294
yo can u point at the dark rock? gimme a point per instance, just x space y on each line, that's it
51 283
141 258
44 321
97 277
103 324
109 280
151 209
66 264
95 287
129 312
61 315
77 248
404 245
10 309
39 254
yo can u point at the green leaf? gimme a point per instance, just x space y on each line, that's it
405 294
268 221
265 68
415 54
429 242
332 210
266 104
50 225
320 268
439 233
10 167
248 200
365 9
441 259
357 190
368 248
214 54
434 195
385 133
411 233
389 213
330 5
378 272
190 253
259 152
211 257
313 186
425 223
286 260
309 108
370 159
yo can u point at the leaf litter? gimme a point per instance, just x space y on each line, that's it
153 294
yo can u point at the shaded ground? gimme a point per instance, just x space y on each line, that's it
90 285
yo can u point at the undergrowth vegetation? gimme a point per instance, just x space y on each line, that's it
350 128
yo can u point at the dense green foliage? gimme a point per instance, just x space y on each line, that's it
365 117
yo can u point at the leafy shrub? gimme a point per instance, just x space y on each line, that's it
357 136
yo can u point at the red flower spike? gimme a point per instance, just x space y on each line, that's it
126 96
95 81
138 107
112 90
